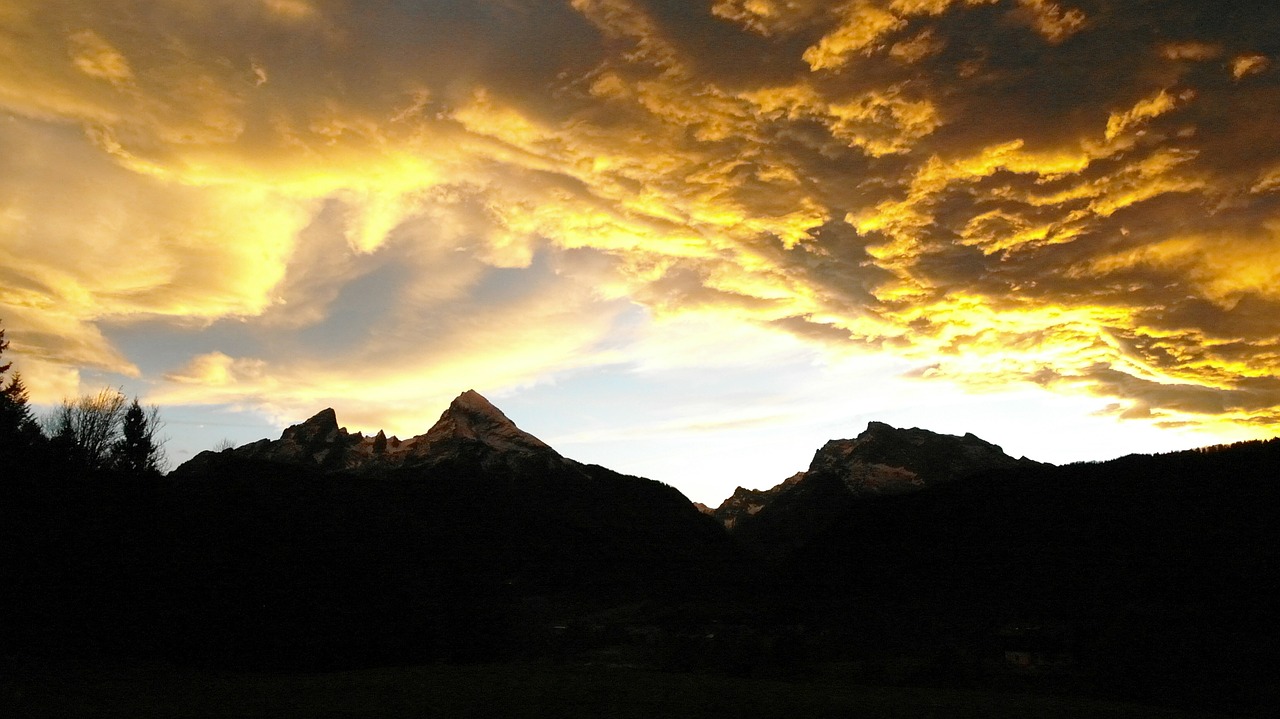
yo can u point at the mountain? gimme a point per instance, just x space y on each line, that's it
475 538
886 460
900 557
1153 576
881 461
471 426
744 503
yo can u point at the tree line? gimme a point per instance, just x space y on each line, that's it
105 431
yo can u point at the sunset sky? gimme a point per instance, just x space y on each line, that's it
686 239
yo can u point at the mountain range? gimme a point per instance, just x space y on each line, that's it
882 460
504 519
473 529
471 427
898 555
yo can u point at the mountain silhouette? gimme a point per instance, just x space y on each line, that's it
882 460
470 426
453 541
899 556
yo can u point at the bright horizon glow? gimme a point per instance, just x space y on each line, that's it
690 241
707 443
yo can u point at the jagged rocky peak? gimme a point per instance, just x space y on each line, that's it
471 426
885 459
749 502
318 441
321 427
881 460
471 417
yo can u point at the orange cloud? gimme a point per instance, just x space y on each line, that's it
1246 65
1051 20
1191 50
1006 192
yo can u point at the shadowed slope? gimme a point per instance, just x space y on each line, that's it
880 461
475 538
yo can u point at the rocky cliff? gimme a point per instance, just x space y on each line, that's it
882 460
470 427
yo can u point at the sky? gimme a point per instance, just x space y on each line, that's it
686 239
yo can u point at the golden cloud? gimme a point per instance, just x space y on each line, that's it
1006 192
1191 50
860 31
1140 113
770 17
96 58
1246 65
1051 20
863 27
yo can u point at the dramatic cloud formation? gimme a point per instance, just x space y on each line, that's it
1076 195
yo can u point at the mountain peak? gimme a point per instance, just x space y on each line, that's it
874 427
748 502
470 428
886 459
473 402
472 417
322 425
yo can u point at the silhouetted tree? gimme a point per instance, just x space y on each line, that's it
19 432
19 429
4 345
138 451
87 430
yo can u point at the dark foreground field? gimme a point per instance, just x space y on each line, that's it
134 690
518 587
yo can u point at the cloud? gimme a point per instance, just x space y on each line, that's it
769 17
1191 50
1051 20
1246 65
414 347
1145 109
76 250
96 58
1079 196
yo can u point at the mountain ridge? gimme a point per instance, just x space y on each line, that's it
880 461
456 542
1149 576
471 424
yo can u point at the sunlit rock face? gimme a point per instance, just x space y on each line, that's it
748 502
473 429
886 460
318 442
471 417
882 460
470 428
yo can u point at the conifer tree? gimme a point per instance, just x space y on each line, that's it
19 431
4 345
16 417
137 451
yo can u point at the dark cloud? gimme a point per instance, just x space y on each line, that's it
1083 194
